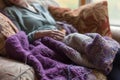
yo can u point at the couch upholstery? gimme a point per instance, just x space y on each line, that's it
14 70
115 33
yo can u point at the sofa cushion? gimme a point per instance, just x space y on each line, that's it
115 33
7 28
14 70
91 17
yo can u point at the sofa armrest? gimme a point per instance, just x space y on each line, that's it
14 70
115 33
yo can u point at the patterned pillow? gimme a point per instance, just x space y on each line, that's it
89 18
7 28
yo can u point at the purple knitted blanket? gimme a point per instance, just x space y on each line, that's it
49 61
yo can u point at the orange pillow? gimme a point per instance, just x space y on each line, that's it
89 18
7 28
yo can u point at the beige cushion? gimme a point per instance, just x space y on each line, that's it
10 69
7 28
116 33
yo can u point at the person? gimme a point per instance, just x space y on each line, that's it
36 22
34 19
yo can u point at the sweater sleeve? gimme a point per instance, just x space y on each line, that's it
12 17
16 17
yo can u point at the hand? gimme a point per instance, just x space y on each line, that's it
55 34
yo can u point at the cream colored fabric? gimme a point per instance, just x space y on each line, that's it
115 33
7 28
42 2
45 3
10 70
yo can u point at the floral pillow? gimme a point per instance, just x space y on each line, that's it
7 28
88 18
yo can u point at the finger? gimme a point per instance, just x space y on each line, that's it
53 32
58 38
58 33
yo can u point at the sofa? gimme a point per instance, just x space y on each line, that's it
15 70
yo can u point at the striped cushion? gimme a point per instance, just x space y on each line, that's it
7 28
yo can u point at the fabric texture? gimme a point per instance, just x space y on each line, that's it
14 70
89 18
7 28
49 61
99 51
